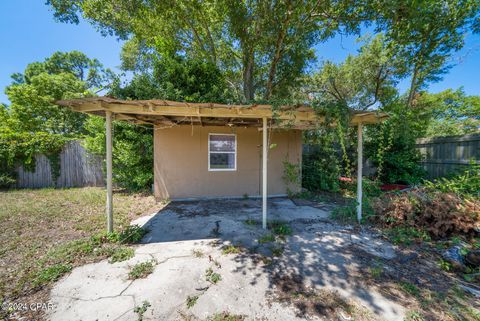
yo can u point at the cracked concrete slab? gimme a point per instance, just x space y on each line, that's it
320 251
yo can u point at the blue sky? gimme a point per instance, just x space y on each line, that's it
29 33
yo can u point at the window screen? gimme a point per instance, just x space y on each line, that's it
222 150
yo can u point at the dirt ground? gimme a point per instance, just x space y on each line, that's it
211 260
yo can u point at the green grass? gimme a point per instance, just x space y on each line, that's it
141 270
280 228
251 222
47 232
266 239
51 274
121 254
410 288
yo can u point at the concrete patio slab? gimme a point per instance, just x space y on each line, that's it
320 253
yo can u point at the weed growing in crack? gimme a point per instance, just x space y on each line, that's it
225 316
251 222
212 277
141 270
280 228
191 301
266 239
140 310
197 253
231 249
276 250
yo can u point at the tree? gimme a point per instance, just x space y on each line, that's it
181 79
361 82
263 47
61 76
425 34
452 112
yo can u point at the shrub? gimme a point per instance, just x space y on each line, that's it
466 183
440 214
320 171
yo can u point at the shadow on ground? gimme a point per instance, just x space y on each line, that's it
319 271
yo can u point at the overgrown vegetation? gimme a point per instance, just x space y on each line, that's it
48 232
141 270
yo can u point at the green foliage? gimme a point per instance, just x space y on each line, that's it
280 228
291 176
465 183
410 288
141 270
212 277
266 238
391 146
407 235
132 152
451 113
21 148
121 254
262 48
225 316
231 249
33 124
140 310
51 274
321 168
424 34
191 301
132 234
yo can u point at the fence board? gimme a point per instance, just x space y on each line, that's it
78 168
444 155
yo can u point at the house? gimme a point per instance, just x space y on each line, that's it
213 150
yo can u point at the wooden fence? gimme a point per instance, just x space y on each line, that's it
444 155
78 168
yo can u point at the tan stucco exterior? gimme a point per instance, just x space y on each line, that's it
181 162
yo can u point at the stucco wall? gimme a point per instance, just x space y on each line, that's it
181 162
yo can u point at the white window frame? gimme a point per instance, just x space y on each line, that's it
223 152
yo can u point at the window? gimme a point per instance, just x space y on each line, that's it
222 152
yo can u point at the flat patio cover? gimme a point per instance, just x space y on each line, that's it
170 113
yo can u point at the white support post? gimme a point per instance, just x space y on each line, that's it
264 173
109 208
359 172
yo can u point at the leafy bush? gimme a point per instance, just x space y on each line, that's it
132 152
320 172
466 183
438 213
21 147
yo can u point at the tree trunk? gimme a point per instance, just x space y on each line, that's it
413 87
248 65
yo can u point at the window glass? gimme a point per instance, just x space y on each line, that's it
222 152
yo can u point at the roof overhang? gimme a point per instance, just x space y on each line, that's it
169 113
